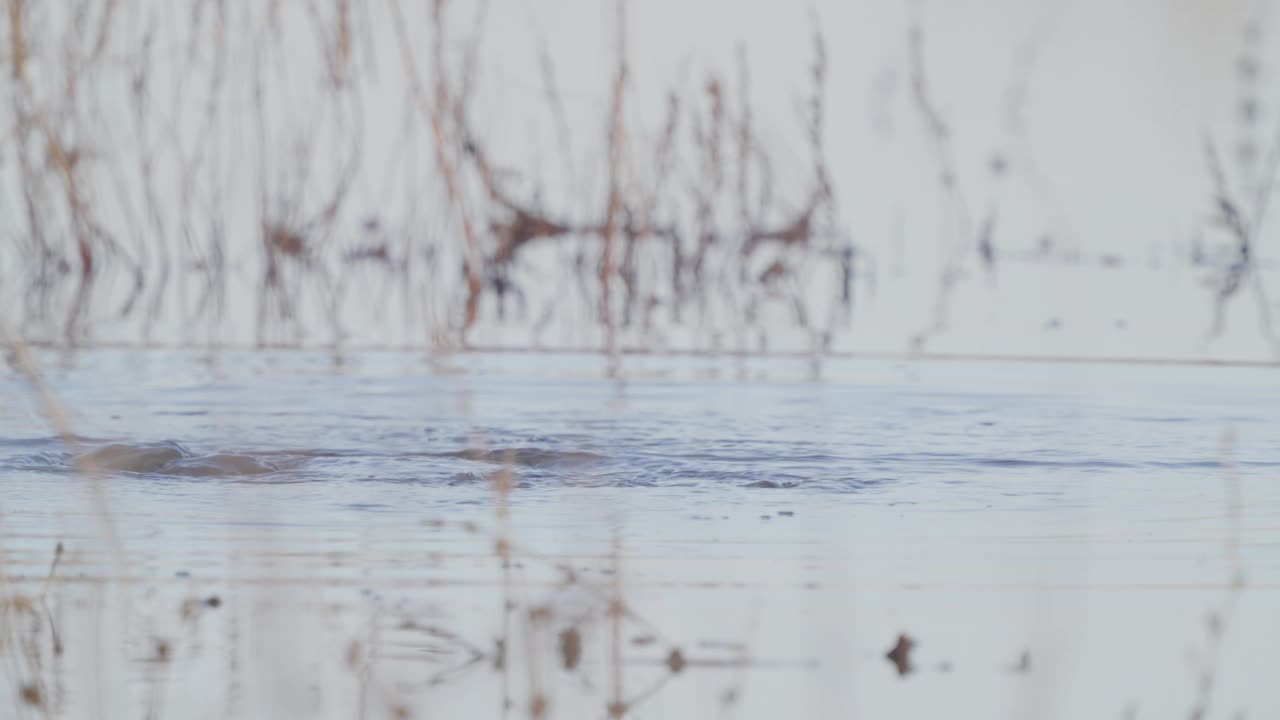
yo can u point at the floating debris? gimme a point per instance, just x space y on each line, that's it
1023 666
676 661
900 654
163 651
32 695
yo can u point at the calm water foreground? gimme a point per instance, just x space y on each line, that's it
279 536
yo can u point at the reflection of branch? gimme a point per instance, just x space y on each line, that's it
433 112
1026 56
1241 222
692 215
613 206
796 232
966 239
556 107
1018 156
1220 621
1242 228
525 223
629 219
927 107
943 156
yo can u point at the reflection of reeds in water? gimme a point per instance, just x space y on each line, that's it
34 662
301 174
714 256
1219 621
534 634
1241 200
171 144
570 637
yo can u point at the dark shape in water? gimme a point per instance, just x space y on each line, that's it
770 484
570 648
142 458
1023 666
675 661
900 654
527 456
32 695
169 458
537 706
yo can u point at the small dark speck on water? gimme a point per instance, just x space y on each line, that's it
213 601
900 654
786 513
675 661
182 574
1023 666
729 697
31 695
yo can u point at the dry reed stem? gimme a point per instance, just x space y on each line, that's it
26 363
433 112
304 265
613 206
1242 226
948 177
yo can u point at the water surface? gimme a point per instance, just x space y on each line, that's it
264 535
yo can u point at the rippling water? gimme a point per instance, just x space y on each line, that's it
277 535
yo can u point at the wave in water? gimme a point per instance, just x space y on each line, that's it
536 465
